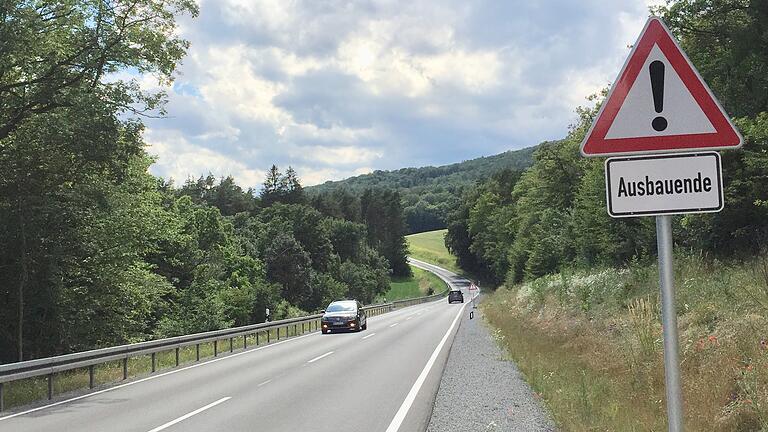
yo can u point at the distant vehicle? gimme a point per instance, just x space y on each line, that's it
455 296
344 315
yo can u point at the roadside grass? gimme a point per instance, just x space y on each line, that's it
417 285
22 392
430 247
589 343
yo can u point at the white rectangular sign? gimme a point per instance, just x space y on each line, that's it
664 184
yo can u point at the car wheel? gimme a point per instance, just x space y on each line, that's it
325 331
365 326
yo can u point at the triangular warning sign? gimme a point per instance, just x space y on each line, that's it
659 103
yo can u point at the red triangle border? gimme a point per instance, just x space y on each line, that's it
655 33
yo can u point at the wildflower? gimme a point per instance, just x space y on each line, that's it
712 338
700 344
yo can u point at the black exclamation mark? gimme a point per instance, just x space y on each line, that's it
656 68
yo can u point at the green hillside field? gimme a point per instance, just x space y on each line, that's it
430 247
416 286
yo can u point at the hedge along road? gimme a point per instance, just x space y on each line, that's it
382 379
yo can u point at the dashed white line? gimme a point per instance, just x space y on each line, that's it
394 324
153 377
264 383
186 416
366 337
409 317
319 357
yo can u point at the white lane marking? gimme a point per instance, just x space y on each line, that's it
366 337
203 363
394 426
319 357
186 416
409 317
394 324
264 383
156 376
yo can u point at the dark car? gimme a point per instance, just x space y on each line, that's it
344 315
455 296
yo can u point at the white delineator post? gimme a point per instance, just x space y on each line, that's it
669 323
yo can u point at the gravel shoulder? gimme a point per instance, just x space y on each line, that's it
480 391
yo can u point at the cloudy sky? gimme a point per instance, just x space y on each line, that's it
339 88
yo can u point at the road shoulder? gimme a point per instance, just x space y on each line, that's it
481 391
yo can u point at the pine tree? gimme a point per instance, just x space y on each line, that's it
294 191
274 187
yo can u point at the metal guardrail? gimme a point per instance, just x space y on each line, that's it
50 366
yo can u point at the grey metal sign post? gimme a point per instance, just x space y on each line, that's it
657 106
669 323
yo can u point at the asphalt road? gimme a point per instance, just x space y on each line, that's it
382 379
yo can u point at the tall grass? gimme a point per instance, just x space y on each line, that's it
590 343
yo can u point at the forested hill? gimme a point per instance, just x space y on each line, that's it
430 193
554 215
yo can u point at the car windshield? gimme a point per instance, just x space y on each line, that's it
341 307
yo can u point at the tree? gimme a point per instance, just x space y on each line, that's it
275 187
227 196
290 265
54 52
67 152
294 193
382 212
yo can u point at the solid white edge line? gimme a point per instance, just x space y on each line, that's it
366 337
319 357
397 421
264 383
392 325
156 376
186 416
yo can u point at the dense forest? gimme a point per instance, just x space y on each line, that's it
522 225
429 194
95 251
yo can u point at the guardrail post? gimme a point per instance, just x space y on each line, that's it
90 376
231 349
2 397
302 327
257 338
197 352
125 368
278 333
154 362
268 336
245 341
177 356
50 386
215 348
295 327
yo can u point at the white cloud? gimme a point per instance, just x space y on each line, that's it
336 88
180 160
348 155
